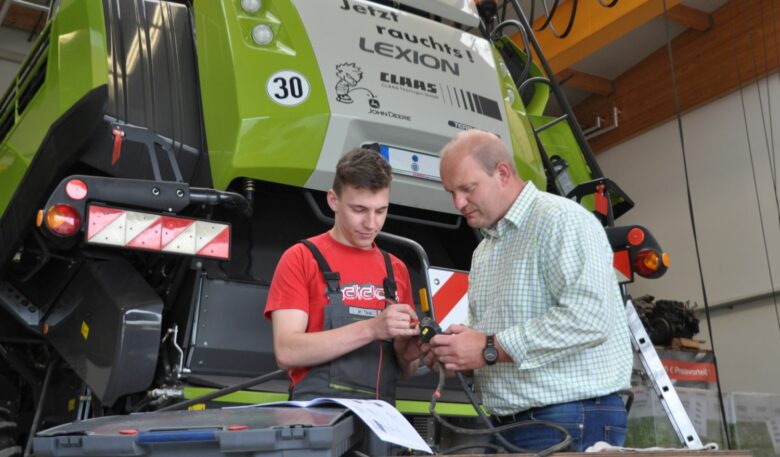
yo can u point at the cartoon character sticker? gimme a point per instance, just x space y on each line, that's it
350 75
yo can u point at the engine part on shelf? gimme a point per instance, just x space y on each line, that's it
667 319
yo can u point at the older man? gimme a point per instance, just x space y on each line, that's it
549 339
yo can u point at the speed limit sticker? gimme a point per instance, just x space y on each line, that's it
287 88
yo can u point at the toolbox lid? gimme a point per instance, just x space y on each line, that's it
319 431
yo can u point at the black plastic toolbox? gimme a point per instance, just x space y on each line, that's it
267 432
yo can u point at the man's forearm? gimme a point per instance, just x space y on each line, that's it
309 349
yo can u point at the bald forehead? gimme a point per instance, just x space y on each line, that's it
484 147
468 140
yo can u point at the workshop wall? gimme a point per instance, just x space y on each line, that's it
724 149
13 47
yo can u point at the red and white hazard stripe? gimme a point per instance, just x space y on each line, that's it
153 232
621 262
450 296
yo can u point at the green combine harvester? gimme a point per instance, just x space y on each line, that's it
158 157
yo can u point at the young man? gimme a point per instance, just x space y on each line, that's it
549 337
341 309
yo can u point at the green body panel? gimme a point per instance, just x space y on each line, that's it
443 408
527 158
538 102
76 64
559 140
248 134
246 397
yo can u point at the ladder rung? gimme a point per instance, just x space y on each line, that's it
551 123
662 385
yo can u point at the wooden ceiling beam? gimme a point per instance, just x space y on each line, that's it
594 27
741 47
23 18
690 18
586 82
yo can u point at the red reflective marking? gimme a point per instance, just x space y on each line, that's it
151 238
600 201
636 236
449 294
128 432
172 227
100 217
76 189
118 135
233 428
622 263
218 247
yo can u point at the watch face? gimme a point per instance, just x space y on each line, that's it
490 355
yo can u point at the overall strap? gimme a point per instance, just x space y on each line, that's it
389 283
332 278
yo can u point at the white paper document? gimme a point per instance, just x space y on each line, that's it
383 419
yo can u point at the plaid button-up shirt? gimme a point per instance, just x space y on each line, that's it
542 281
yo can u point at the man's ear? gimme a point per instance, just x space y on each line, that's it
333 200
504 172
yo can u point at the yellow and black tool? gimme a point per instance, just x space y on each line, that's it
428 326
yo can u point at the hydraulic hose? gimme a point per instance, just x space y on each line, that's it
213 197
222 392
39 408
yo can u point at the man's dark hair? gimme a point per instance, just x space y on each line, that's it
363 169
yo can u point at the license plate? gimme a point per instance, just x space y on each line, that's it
410 163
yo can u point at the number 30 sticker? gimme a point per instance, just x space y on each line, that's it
287 88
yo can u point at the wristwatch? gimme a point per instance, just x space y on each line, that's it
490 353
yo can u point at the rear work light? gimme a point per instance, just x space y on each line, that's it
154 232
63 220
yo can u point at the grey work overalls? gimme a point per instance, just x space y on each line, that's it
353 375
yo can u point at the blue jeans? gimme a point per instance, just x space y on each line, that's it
587 421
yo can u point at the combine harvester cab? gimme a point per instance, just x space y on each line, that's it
157 158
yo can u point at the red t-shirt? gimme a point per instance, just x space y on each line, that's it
298 282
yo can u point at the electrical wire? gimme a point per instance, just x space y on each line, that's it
570 23
548 13
463 447
503 10
771 140
678 111
760 100
774 34
379 369
496 35
755 179
770 150
489 427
